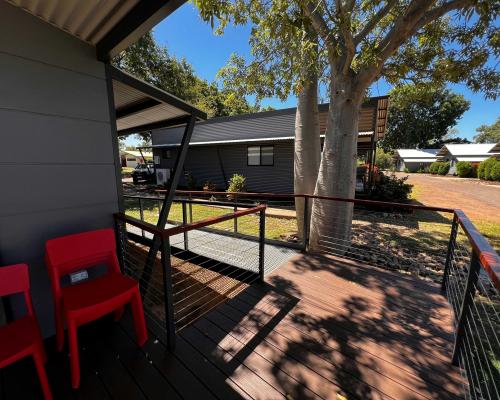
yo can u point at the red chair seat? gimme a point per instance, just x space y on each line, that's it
79 304
17 339
21 338
97 292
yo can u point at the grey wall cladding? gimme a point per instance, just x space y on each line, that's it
57 169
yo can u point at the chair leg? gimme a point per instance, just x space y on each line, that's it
118 314
141 332
73 354
42 375
59 332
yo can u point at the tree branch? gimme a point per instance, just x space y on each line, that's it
349 46
372 23
416 16
317 20
438 12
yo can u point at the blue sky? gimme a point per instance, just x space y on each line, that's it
186 35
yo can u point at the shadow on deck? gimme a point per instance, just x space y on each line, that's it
319 327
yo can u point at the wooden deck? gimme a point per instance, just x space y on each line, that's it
318 328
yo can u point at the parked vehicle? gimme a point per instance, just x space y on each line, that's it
143 172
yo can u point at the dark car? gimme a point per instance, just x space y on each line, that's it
143 172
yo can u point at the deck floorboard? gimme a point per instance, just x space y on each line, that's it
317 328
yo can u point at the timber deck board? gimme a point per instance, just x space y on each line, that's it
317 328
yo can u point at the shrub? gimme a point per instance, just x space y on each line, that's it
488 169
495 172
209 186
465 169
444 168
236 183
383 160
391 188
439 167
434 167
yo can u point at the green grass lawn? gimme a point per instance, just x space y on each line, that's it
127 172
420 231
276 227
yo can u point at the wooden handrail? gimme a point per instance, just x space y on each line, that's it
288 195
211 221
487 255
163 233
138 223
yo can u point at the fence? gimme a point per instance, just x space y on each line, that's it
196 270
472 285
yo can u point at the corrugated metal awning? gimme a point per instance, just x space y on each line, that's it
142 107
111 25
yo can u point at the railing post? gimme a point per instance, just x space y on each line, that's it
262 242
467 302
449 253
168 289
235 209
184 222
305 228
190 208
141 213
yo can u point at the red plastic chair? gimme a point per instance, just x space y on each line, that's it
22 337
79 304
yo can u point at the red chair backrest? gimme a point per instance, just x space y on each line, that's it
71 253
15 279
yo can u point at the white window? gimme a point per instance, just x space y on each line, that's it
260 155
253 155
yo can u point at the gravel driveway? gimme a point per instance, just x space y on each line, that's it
479 200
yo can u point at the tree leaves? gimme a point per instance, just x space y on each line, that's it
421 115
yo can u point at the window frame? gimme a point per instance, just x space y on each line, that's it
260 155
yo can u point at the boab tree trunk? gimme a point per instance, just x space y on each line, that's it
331 220
307 148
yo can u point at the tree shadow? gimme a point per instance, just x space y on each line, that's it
320 325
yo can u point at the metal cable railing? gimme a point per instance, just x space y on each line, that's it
435 243
197 267
472 285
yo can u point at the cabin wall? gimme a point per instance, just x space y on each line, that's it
217 163
58 165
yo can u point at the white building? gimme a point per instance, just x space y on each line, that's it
473 153
130 158
412 160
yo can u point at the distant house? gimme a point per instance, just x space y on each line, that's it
259 146
413 160
495 151
473 152
130 158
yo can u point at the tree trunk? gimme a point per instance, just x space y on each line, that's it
331 220
307 148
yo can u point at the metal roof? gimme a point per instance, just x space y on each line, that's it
275 139
417 153
471 149
263 126
496 149
110 25
135 153
140 106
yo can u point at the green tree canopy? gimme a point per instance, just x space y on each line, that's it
152 63
421 115
488 133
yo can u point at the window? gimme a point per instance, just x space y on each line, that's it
260 155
